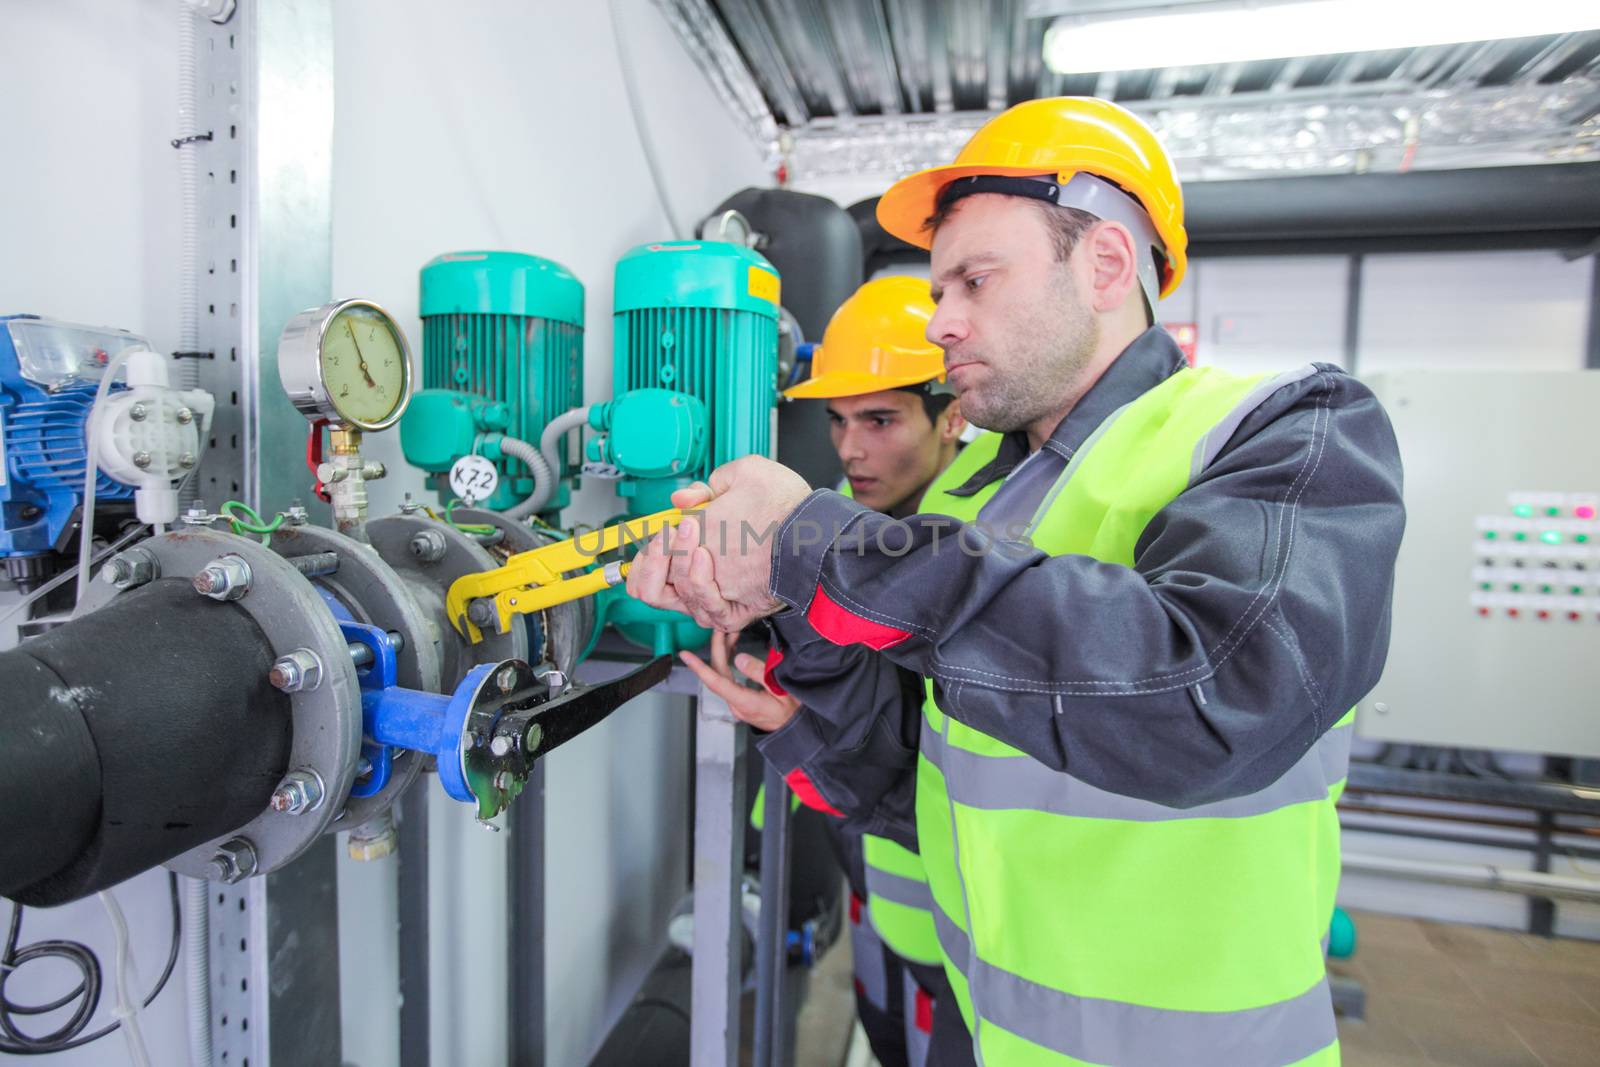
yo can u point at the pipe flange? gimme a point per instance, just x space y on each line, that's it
430 580
374 594
326 719
567 628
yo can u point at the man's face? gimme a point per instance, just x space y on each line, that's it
1016 333
889 447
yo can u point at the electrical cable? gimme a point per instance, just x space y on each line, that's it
640 127
87 994
91 468
123 970
71 572
256 525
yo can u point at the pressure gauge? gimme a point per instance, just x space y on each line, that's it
346 362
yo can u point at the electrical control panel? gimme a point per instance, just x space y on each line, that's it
1497 588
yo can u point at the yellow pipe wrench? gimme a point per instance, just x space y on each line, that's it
534 580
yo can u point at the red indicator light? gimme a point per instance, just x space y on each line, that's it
1484 612
1584 511
1574 616
1514 613
1544 614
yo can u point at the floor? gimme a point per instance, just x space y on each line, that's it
1439 993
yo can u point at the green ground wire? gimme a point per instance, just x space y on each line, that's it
256 525
467 528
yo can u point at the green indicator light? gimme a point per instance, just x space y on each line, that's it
1490 535
1582 539
1544 589
1520 536
1577 590
1550 537
1486 586
1516 587
1522 511
1552 512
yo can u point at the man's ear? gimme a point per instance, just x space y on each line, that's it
951 423
1112 263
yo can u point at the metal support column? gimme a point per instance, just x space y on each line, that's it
719 806
772 935
274 978
264 116
412 831
525 1004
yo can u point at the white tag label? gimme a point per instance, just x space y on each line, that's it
601 470
473 478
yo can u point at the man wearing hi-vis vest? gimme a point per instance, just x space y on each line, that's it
896 425
1142 631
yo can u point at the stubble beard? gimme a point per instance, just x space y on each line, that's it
1037 369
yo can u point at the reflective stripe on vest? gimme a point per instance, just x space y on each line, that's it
866 959
898 899
1109 929
1115 1032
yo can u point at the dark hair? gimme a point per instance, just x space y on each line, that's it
1067 225
932 403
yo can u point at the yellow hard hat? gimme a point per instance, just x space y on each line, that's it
1061 136
877 340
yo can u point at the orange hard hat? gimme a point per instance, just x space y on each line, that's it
1062 136
877 340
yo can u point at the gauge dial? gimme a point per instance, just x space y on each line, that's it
347 363
363 367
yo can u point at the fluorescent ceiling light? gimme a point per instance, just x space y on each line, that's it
1173 37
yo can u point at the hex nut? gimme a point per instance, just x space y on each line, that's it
428 545
296 671
299 792
234 861
224 578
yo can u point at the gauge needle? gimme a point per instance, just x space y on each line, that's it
362 360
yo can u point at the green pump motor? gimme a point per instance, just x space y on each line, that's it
697 318
695 341
502 355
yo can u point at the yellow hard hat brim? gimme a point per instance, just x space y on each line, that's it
828 386
911 201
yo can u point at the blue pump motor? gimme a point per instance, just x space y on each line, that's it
48 375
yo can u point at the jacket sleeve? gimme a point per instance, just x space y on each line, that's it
1256 612
851 748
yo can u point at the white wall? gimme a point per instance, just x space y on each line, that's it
89 195
1527 310
89 233
469 125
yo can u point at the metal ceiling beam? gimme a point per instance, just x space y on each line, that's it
938 40
908 39
1292 69
1558 52
861 34
772 68
701 33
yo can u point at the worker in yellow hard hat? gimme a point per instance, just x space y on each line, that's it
893 419
896 425
1142 609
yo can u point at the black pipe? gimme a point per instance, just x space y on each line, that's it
132 735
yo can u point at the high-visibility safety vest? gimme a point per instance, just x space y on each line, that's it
1083 926
898 902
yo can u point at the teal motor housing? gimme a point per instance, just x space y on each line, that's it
701 318
502 353
696 318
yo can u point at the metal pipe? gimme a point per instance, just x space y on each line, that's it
1476 876
1505 793
316 564
772 933
1472 820
361 655
1579 852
